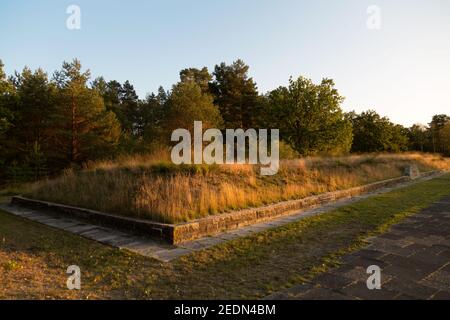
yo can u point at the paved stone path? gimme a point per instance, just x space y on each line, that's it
165 252
414 258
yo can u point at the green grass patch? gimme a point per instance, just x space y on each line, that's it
250 267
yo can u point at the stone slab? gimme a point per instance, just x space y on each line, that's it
412 256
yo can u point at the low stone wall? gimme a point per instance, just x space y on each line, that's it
178 233
139 226
234 220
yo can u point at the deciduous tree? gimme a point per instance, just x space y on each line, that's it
309 116
436 125
186 104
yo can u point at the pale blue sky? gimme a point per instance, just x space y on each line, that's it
402 70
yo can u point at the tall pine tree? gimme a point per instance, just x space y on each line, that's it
85 129
6 93
235 94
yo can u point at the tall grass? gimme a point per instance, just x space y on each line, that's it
149 187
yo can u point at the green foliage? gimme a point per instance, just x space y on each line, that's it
373 133
37 161
287 152
309 117
84 128
6 90
47 125
445 136
32 167
235 94
201 77
418 137
33 108
5 120
153 111
186 104
437 125
399 138
52 123
122 100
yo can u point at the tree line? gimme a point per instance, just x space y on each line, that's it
51 123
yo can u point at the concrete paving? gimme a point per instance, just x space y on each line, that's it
414 260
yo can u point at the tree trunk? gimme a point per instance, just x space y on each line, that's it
74 142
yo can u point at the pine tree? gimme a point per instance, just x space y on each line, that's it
33 108
6 91
128 112
86 129
122 100
152 113
201 77
235 94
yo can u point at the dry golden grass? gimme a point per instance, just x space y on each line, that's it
150 187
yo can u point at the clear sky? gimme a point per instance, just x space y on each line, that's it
401 70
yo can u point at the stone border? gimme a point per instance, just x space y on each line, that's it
184 232
139 226
233 220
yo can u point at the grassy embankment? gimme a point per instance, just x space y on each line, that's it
34 258
152 188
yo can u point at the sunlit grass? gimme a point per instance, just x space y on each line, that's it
150 187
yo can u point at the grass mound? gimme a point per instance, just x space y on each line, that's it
155 189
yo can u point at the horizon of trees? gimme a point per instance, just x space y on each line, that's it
51 123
